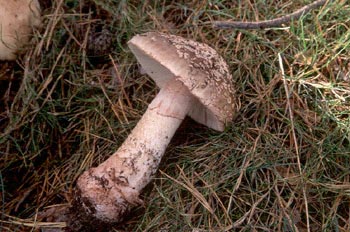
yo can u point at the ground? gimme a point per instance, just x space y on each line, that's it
282 164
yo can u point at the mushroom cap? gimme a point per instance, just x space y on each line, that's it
16 21
202 70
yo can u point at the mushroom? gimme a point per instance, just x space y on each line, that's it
194 80
17 18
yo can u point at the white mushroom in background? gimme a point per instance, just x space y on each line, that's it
194 80
17 19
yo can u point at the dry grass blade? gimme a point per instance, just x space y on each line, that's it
296 146
189 186
32 223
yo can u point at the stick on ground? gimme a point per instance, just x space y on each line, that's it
269 23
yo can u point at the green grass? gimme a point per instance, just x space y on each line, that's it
281 164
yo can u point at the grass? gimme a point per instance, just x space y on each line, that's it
283 163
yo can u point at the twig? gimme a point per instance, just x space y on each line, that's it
269 23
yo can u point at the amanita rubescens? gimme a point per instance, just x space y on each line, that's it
194 80
17 19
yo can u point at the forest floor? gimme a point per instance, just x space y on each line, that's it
282 164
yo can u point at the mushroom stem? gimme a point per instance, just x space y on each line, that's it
110 190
